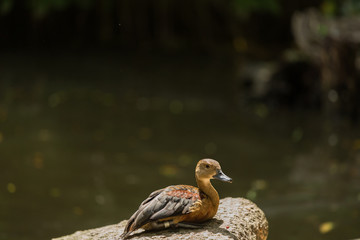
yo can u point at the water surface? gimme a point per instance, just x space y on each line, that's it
84 139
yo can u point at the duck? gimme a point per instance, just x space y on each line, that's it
180 205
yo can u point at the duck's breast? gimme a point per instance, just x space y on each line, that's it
203 210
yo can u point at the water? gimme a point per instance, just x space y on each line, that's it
84 139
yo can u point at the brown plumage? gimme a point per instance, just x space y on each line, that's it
180 205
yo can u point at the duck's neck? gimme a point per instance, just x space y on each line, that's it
206 187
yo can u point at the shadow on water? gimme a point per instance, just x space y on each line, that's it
83 140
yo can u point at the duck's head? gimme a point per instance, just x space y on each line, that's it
210 169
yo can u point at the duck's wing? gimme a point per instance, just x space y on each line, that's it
151 197
175 200
167 202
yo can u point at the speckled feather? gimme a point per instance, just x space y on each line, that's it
164 203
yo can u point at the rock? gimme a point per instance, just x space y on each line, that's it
237 218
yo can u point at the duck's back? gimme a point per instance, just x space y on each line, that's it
177 202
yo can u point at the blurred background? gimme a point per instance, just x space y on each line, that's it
102 102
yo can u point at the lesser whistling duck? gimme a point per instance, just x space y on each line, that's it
180 205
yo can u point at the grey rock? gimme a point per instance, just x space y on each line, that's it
237 218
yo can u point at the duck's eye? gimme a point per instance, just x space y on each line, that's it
207 166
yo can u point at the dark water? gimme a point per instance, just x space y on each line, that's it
83 140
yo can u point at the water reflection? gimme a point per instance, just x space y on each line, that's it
78 151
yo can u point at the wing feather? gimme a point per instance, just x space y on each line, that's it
171 201
152 196
164 203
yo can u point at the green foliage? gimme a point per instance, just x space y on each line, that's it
41 8
333 8
351 8
5 6
323 30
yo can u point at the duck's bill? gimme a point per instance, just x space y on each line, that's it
222 177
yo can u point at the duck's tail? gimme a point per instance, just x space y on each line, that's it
124 235
141 216
129 228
